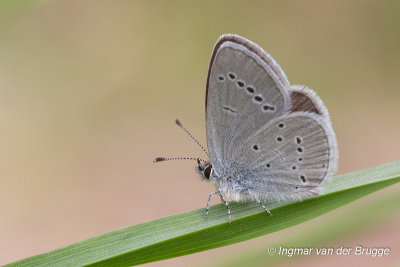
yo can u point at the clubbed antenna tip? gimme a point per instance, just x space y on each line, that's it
158 159
179 123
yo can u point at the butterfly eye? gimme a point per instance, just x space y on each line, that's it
207 171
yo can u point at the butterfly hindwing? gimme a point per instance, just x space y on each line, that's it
295 152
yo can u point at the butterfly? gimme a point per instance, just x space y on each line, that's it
267 140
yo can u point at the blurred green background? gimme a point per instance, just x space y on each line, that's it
89 91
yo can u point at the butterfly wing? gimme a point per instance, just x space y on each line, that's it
295 153
246 89
271 139
303 98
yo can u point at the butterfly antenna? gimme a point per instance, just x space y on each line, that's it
180 125
173 158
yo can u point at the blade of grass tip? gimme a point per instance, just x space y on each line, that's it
189 232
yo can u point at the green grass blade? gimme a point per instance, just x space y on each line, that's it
353 221
189 232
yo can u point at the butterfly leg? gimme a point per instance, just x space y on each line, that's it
208 202
226 204
222 199
259 202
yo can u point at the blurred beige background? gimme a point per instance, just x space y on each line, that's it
89 91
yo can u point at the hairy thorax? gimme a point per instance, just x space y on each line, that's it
231 189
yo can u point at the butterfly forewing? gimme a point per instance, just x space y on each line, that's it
245 90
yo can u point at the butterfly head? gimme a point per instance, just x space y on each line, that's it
205 170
